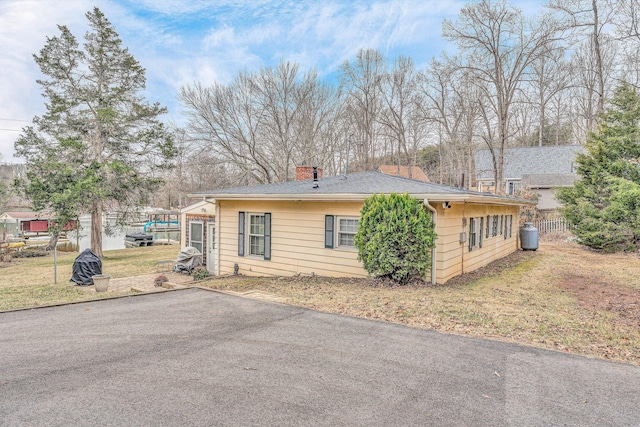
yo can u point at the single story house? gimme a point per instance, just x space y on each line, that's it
307 227
541 169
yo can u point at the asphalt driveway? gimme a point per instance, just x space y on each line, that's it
194 357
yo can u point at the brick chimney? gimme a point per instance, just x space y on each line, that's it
306 172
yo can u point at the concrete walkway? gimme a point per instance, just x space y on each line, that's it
196 357
145 283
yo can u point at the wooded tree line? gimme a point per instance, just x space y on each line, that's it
515 81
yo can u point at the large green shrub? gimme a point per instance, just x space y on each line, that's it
395 237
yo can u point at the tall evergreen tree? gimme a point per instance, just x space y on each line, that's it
99 141
603 208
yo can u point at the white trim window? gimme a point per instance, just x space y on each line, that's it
196 235
508 225
347 229
256 234
476 228
494 229
512 186
473 240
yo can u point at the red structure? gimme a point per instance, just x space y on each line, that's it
33 223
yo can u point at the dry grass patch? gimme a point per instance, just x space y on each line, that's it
29 282
522 298
562 297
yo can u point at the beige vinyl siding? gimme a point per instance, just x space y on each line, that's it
297 240
453 257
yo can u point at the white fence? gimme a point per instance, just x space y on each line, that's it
550 225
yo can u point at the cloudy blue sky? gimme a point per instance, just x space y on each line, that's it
183 41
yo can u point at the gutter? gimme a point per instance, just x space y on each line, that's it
434 219
351 197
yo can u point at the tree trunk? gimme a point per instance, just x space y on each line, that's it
96 229
53 241
499 171
541 126
598 52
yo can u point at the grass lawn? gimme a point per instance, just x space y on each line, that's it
29 282
562 297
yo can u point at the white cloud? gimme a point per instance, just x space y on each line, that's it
224 36
179 42
24 26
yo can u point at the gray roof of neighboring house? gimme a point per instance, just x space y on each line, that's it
356 186
549 180
548 160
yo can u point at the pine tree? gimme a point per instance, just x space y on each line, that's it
99 142
603 207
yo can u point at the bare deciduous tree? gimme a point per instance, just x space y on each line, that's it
264 124
400 117
499 45
362 83
451 103
549 77
586 88
627 22
589 19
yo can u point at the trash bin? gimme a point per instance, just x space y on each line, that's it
528 237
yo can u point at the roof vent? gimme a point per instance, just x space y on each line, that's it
315 177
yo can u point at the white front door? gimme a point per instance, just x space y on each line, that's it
211 248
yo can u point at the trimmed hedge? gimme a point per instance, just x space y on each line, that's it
395 237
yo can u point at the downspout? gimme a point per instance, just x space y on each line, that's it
434 219
217 222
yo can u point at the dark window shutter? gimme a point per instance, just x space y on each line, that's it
240 233
506 221
267 236
328 231
471 234
480 231
488 226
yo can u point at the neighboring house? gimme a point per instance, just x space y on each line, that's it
541 169
307 227
26 224
403 171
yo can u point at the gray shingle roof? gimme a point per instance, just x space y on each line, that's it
361 184
355 183
549 180
528 161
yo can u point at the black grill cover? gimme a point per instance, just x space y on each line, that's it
86 265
